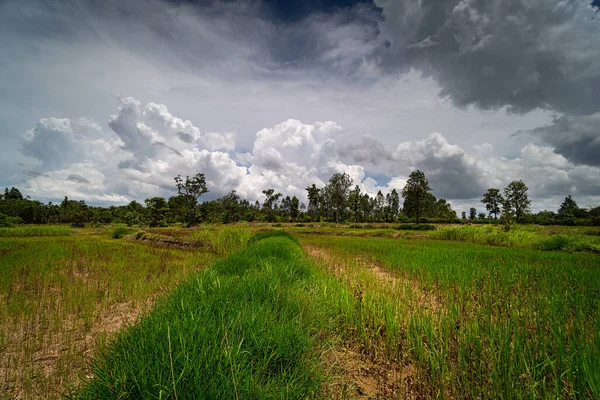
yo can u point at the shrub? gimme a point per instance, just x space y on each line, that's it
121 231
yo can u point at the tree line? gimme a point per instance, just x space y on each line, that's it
338 201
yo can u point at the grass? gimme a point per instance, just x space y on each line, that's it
524 236
36 230
241 329
60 296
222 240
121 231
398 316
467 321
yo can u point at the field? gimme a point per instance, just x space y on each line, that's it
329 311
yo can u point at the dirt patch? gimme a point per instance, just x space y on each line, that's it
425 297
32 355
358 373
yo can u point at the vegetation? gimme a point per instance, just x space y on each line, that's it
465 321
416 317
336 201
62 295
190 191
241 329
414 193
36 230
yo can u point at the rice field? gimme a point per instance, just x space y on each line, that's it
254 312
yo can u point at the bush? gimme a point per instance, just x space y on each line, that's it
7 222
121 231
570 244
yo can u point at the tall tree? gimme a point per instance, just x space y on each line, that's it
230 205
365 206
354 200
417 187
568 208
191 188
314 193
379 205
339 189
270 203
493 200
393 204
472 213
516 199
294 208
156 210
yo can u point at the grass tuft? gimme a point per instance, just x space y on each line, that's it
35 230
121 231
241 329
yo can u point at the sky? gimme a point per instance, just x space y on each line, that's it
107 101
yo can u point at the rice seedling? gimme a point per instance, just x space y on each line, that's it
36 230
240 329
60 296
470 321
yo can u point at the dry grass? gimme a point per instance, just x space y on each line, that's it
62 298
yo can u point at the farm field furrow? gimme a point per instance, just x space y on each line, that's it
471 321
251 311
62 296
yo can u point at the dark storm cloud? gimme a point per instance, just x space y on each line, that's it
491 54
576 138
288 10
518 54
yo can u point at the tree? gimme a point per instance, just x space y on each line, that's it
270 203
493 200
13 194
365 206
338 189
481 216
379 205
463 215
294 208
393 204
156 210
472 213
516 199
192 188
417 187
354 200
313 201
230 205
568 208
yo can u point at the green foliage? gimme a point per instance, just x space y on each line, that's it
7 222
257 237
241 329
516 200
474 321
415 227
414 193
35 230
191 189
493 201
337 192
56 290
570 243
120 231
220 241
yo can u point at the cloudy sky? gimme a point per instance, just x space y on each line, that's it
107 101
